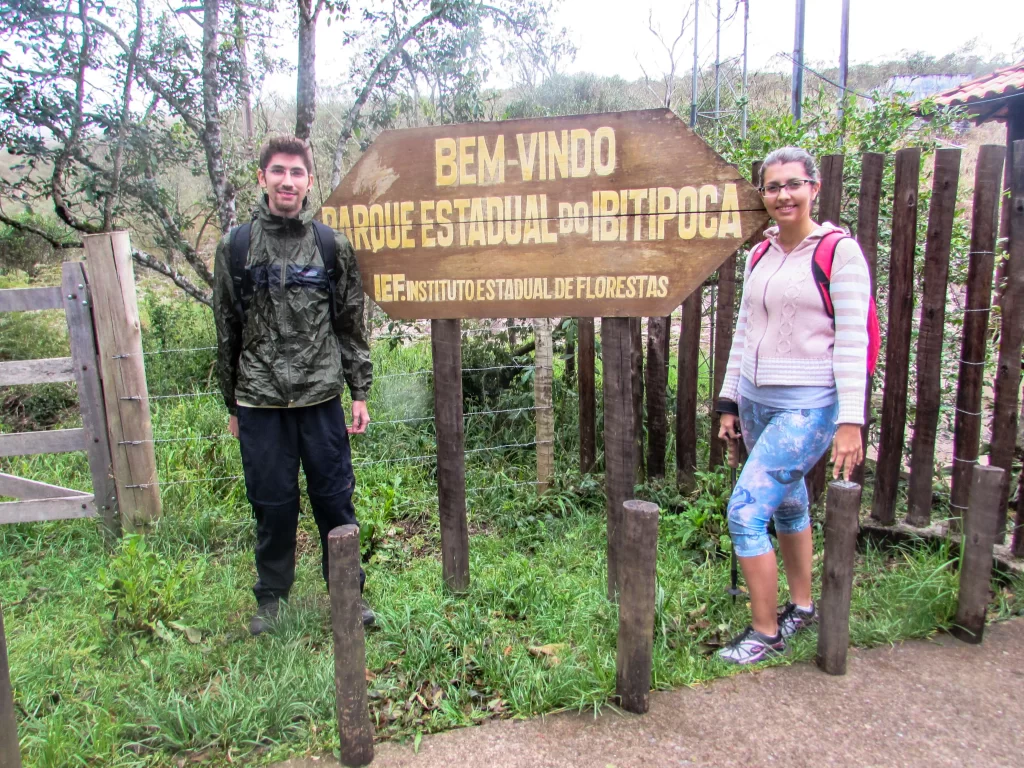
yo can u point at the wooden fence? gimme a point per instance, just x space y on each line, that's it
98 300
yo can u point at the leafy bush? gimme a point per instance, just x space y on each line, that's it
28 251
145 592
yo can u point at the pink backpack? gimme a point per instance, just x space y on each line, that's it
824 255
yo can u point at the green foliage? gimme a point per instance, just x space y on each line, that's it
172 324
145 592
21 249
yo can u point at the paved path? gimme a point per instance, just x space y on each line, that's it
922 703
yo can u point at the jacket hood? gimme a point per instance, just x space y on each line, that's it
273 223
772 233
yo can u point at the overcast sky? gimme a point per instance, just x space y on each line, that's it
613 37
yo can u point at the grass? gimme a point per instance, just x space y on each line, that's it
140 656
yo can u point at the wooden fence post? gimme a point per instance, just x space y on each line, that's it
1011 337
619 435
82 337
976 553
354 728
10 751
929 341
967 424
868 203
125 395
446 348
657 384
687 384
724 313
830 208
586 379
637 368
637 574
897 348
544 403
842 523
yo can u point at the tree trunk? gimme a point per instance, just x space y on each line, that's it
223 190
305 92
245 84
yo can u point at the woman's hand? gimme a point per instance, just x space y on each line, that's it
847 451
729 427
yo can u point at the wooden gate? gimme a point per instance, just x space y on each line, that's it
41 501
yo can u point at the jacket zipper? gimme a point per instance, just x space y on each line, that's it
285 327
764 304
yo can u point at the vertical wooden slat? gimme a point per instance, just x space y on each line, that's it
687 370
967 424
929 339
123 374
619 436
637 573
637 368
657 383
588 395
10 751
355 731
842 523
81 333
446 346
868 203
976 553
830 208
544 403
1011 337
897 353
724 313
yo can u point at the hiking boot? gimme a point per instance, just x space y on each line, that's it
265 618
751 646
368 618
792 619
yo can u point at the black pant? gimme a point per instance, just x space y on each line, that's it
273 442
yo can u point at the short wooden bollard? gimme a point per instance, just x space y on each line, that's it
842 522
10 752
637 570
354 728
976 553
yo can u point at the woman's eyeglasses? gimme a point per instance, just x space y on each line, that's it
771 190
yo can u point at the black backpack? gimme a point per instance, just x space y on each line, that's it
242 279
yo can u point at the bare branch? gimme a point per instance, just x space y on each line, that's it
151 262
24 226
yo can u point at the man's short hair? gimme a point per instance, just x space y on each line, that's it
286 145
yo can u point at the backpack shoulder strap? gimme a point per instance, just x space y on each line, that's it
325 243
824 255
239 254
759 250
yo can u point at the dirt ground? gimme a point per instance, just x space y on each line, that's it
922 703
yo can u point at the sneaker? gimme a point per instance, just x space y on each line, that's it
751 646
793 619
368 618
265 618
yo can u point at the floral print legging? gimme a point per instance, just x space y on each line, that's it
784 445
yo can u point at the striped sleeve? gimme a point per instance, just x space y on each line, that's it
850 288
731 382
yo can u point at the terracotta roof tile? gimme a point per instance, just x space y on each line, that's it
995 90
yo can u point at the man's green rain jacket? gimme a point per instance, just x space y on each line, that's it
288 354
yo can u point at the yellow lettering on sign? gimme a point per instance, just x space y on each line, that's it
580 212
609 208
344 222
376 227
462 206
496 227
392 231
477 229
514 223
687 213
527 154
558 155
666 208
637 197
445 170
329 216
492 166
427 230
399 286
406 209
708 196
546 235
565 223
445 230
604 141
466 146
729 225
579 153
360 220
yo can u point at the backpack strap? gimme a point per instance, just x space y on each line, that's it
240 277
325 243
821 267
759 250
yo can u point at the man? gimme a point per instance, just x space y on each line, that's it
286 334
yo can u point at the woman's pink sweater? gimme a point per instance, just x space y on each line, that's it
784 336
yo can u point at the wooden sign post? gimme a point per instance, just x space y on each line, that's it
613 215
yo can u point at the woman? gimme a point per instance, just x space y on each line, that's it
794 374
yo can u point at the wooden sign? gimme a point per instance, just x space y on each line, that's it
615 215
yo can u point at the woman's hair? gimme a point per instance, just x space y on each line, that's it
790 155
